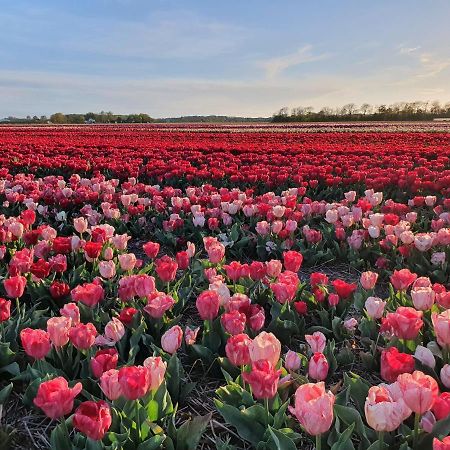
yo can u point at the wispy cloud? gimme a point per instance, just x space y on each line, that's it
408 50
428 64
277 65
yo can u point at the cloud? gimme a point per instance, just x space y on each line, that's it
408 50
429 63
26 92
276 66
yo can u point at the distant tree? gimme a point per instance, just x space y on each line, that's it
365 109
58 118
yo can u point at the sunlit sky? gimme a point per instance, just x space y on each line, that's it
247 57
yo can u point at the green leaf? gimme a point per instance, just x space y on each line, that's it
93 445
58 439
189 434
13 369
344 442
280 415
174 372
246 426
282 442
351 416
5 392
359 389
152 444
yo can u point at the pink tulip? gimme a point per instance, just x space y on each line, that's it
423 298
107 269
419 391
292 361
384 412
314 408
58 330
368 280
318 367
158 303
317 341
375 307
109 384
265 346
445 375
171 339
157 369
441 324
114 330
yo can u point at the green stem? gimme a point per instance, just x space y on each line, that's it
319 442
266 404
381 439
65 429
138 422
416 429
18 307
242 377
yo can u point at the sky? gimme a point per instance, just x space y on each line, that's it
247 57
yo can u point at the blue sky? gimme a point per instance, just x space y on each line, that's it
247 57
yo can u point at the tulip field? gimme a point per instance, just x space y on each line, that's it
207 286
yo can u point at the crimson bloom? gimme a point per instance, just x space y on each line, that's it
55 397
93 419
263 379
36 343
394 363
402 279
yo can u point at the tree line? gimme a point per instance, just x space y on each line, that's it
90 117
418 110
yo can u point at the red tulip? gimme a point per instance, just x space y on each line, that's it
62 245
5 310
233 322
263 379
318 278
134 381
343 289
15 286
394 363
88 293
127 314
237 349
151 249
441 445
208 303
441 407
83 336
36 343
166 268
292 260
59 290
93 249
402 279
93 419
55 397
103 361
182 259
405 323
